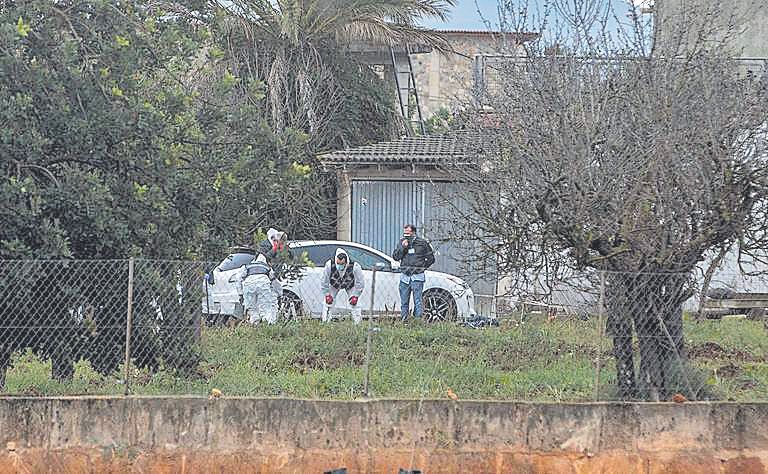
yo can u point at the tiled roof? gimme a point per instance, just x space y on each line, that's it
524 35
429 149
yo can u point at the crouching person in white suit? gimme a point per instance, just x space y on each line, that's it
260 291
343 274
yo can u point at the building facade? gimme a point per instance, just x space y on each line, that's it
383 186
447 80
744 21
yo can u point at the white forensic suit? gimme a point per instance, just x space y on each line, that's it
260 291
348 278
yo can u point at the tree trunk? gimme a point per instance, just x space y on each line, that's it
5 362
668 365
621 330
61 351
652 354
62 367
652 303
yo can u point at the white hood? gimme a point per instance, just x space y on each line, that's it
341 251
274 235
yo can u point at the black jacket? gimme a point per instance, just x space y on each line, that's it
417 261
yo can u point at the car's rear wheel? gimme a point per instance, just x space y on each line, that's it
217 320
290 306
756 314
439 305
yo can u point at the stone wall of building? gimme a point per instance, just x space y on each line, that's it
446 80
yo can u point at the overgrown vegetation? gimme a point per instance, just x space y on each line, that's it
176 129
169 130
535 360
631 149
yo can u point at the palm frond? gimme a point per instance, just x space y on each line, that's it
391 34
393 21
378 21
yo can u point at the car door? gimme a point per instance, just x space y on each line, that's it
226 288
387 299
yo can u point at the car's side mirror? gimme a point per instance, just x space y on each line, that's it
380 267
395 266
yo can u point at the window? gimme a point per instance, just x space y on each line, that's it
318 254
367 259
235 260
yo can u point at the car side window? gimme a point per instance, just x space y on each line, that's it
367 259
318 254
235 260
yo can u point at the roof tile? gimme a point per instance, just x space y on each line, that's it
427 149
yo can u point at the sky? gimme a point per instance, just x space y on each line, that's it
466 15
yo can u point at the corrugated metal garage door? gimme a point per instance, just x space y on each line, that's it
380 209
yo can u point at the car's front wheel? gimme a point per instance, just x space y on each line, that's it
439 305
290 306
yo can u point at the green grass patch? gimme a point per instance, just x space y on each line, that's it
536 360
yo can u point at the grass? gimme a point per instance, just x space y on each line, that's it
537 360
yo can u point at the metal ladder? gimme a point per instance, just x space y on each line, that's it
409 89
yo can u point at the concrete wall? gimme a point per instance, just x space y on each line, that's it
274 435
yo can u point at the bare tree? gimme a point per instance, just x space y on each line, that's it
622 151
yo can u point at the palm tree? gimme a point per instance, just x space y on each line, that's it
302 30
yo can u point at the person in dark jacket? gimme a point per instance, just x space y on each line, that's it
415 256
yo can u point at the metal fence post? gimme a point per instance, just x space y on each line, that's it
368 336
128 325
600 324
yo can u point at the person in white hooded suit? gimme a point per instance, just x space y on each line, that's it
261 291
342 274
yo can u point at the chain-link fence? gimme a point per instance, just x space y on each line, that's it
103 317
658 336
176 327
492 71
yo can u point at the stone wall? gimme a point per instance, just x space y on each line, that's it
445 80
190 435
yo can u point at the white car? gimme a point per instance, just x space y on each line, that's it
446 297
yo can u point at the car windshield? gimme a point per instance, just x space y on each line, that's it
366 259
321 253
318 254
235 260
